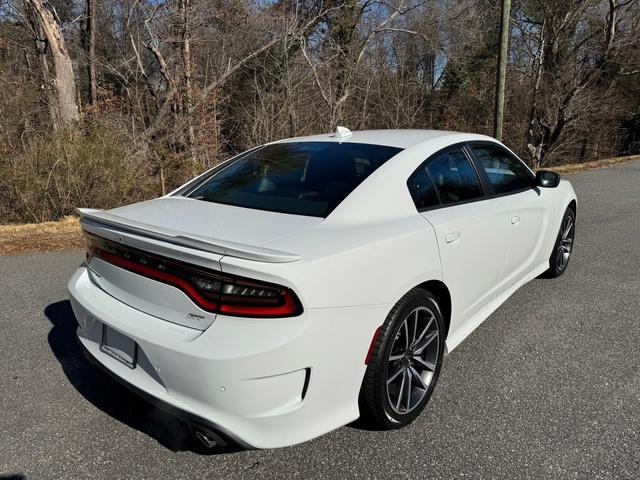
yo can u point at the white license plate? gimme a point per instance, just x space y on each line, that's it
119 346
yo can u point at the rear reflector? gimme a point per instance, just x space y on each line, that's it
211 290
367 359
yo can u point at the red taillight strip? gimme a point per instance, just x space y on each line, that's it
163 277
286 309
178 275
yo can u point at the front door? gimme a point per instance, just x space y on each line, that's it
530 209
471 230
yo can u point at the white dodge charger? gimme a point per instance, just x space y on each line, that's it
314 280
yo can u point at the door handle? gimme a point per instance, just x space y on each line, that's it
515 220
452 237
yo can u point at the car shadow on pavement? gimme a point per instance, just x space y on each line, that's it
111 397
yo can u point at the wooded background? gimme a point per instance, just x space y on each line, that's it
105 102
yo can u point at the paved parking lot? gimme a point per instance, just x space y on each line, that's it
548 387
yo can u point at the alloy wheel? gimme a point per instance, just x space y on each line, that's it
412 360
565 245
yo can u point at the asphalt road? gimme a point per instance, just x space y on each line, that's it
547 387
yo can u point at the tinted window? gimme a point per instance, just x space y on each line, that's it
422 190
454 177
304 178
506 173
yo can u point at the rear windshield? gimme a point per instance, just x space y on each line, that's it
303 178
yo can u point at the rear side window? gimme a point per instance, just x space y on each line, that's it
505 172
303 178
447 177
422 189
454 177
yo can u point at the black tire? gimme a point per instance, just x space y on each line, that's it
376 408
559 259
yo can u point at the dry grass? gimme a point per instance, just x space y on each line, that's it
41 237
66 235
605 162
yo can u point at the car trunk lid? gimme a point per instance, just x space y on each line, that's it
196 232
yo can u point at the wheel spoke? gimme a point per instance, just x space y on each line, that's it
400 392
417 376
567 227
427 341
394 375
423 333
395 358
406 333
560 257
424 362
408 391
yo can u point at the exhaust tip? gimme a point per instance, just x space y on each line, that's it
206 438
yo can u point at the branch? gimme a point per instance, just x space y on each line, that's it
239 64
396 11
404 30
152 46
316 77
152 90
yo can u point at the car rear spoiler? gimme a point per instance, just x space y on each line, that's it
92 220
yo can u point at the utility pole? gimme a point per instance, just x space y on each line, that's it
501 70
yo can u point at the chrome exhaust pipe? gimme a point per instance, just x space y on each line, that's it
206 438
211 438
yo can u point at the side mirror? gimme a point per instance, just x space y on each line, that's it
547 179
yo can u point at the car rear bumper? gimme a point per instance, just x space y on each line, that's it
193 420
261 382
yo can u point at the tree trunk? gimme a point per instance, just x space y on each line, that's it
41 48
342 32
65 81
91 52
534 141
47 82
188 89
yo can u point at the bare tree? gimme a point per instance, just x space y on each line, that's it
64 80
183 84
348 42
41 48
567 63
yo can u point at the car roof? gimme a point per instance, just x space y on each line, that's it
400 138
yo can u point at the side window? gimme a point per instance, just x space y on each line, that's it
446 177
505 172
454 177
422 190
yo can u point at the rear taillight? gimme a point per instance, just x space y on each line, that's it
211 290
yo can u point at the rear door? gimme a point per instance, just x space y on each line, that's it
471 229
530 209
